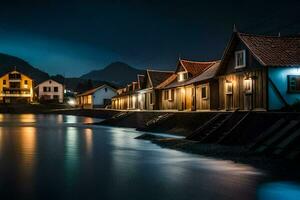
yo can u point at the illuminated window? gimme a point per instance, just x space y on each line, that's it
228 88
248 86
171 95
181 76
240 59
294 83
89 99
204 92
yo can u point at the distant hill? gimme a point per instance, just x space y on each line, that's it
118 73
80 84
9 63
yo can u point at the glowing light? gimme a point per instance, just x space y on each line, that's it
71 102
248 85
228 87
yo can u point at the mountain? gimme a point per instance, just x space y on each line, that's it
118 73
79 84
9 63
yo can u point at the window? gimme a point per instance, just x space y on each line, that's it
228 88
50 82
56 97
55 89
46 89
166 94
26 82
14 76
248 86
4 82
15 85
89 99
294 83
204 92
105 89
240 59
171 94
181 76
151 97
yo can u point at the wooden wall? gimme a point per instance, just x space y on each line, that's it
238 99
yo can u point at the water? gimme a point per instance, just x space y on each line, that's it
59 157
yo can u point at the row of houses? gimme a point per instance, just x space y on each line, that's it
256 72
17 87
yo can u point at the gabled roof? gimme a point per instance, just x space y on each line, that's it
92 91
49 80
194 67
14 71
267 50
168 81
208 74
156 77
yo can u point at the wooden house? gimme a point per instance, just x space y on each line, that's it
259 72
16 87
148 95
192 87
127 97
98 97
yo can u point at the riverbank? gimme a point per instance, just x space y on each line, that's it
274 168
55 109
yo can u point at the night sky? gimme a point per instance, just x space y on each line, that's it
74 37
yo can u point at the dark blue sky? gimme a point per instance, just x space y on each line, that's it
74 37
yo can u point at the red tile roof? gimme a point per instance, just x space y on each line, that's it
273 50
195 68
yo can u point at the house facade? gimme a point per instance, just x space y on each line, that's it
148 95
50 90
193 87
142 94
98 97
127 97
259 72
16 87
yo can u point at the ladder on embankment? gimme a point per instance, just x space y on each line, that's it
211 125
158 119
281 139
232 121
218 127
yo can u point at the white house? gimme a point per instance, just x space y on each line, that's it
98 97
50 90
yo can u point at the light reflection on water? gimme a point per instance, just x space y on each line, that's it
61 158
279 191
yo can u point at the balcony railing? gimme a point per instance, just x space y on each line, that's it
15 92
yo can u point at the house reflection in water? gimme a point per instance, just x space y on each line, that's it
71 152
88 135
28 149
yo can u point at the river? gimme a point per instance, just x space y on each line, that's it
63 157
